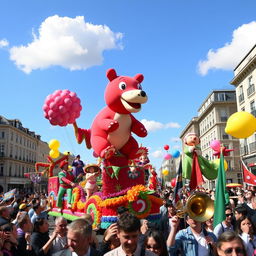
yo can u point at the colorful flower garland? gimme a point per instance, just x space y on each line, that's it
138 191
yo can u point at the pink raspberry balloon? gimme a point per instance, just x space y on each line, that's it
62 107
167 156
215 145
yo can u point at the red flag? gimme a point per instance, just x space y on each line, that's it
196 178
249 178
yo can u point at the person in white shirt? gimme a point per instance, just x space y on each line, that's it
248 196
60 242
128 230
79 238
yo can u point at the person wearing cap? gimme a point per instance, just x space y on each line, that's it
24 207
78 165
66 180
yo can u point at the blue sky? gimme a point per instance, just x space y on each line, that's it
184 49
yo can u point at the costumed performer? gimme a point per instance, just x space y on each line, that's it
143 162
152 184
194 159
66 180
78 165
92 172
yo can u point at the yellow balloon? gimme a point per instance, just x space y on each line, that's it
54 153
217 163
54 144
241 125
66 153
165 172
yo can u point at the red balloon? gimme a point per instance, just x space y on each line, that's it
173 182
166 147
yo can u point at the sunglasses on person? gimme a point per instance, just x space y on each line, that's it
229 251
152 247
229 214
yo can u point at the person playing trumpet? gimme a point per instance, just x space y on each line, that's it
192 241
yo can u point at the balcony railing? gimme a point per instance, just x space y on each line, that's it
252 147
244 150
225 136
250 90
241 97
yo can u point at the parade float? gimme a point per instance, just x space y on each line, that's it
110 137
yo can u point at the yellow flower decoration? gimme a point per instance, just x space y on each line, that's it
134 192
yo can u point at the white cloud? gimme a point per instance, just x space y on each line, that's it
67 42
176 147
3 43
228 56
152 125
157 154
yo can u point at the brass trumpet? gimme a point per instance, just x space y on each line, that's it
199 207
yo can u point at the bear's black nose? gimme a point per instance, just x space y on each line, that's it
142 94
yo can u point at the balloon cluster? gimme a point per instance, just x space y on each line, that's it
62 107
167 156
174 154
35 178
54 146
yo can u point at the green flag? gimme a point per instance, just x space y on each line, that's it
221 194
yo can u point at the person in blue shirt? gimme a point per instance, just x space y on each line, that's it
39 213
192 241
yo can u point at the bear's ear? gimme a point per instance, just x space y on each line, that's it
111 74
139 77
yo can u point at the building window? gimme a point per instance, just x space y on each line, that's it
221 96
241 94
1 149
240 90
11 136
252 107
2 135
250 83
1 169
11 150
10 170
223 115
251 88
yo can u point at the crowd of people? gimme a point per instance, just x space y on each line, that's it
24 230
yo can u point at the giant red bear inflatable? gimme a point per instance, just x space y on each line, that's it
112 127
